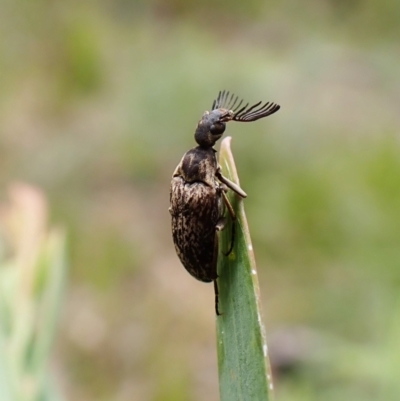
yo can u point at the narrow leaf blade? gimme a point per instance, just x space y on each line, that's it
244 370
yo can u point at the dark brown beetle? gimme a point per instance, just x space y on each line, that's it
198 190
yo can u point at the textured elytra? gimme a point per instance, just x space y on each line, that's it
196 208
193 227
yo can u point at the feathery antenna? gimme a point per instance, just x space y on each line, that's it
244 114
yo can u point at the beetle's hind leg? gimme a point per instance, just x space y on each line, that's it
219 227
216 292
233 219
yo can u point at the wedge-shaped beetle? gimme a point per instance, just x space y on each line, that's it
198 190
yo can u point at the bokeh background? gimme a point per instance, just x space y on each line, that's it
98 102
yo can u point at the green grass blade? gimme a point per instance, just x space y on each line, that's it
51 273
244 372
5 388
32 281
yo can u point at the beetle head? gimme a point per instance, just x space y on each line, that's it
211 126
226 108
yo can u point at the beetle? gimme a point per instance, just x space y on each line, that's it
198 189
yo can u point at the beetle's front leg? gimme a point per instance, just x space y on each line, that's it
234 187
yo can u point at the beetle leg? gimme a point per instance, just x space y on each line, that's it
219 227
234 187
216 292
233 218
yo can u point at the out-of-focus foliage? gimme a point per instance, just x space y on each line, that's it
32 275
98 102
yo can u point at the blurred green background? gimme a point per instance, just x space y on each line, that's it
98 103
